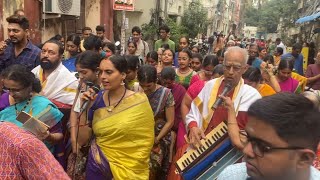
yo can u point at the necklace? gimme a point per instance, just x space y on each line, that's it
183 72
110 108
23 108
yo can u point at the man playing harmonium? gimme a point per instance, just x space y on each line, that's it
207 113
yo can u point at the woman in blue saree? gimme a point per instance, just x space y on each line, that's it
72 47
23 88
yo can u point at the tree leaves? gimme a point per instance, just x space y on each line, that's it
268 17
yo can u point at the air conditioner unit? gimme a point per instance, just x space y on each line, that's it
66 7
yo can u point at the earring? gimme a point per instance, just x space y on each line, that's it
122 83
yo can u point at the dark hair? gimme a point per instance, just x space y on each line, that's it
278 39
269 58
58 43
165 46
218 69
261 48
21 20
88 60
100 28
186 37
153 55
221 52
133 42
92 42
110 46
147 74
252 74
287 62
168 73
136 29
210 60
293 117
75 38
165 28
189 53
85 29
296 46
173 54
195 47
23 76
132 62
57 37
119 62
198 56
279 50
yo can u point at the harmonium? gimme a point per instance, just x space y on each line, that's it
209 160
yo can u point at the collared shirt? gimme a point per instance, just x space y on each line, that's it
239 172
29 57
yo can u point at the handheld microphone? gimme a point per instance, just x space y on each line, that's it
226 90
85 104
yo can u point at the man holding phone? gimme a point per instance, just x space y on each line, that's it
18 49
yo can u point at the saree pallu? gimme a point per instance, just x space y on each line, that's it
160 154
290 85
40 108
266 90
125 137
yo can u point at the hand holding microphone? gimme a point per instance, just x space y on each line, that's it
3 45
88 96
225 92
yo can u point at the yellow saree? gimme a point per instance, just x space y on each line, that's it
125 136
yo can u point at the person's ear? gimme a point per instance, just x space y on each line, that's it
306 158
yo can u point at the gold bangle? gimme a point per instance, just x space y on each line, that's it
232 123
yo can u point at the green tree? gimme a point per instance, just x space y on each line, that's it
267 17
195 18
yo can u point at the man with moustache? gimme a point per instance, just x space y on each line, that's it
58 83
202 118
18 49
282 136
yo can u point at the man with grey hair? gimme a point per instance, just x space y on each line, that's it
204 116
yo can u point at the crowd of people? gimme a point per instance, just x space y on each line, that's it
132 116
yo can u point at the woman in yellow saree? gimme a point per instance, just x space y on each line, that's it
123 127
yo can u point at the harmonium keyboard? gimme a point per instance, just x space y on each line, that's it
207 161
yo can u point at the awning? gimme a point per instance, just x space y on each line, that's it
308 18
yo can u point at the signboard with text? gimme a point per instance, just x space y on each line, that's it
127 5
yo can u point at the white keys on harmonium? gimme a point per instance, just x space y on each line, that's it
211 138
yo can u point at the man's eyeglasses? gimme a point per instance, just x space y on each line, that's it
235 68
260 148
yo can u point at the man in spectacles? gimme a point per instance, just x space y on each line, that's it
282 138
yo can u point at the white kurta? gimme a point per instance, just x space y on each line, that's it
60 85
246 93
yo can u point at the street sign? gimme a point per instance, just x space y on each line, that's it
123 5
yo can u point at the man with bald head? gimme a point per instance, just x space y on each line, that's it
203 118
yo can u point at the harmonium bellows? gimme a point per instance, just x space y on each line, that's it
211 158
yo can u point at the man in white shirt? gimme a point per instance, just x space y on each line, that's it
282 136
280 44
58 83
142 46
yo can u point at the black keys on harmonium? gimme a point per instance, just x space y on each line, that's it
194 155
